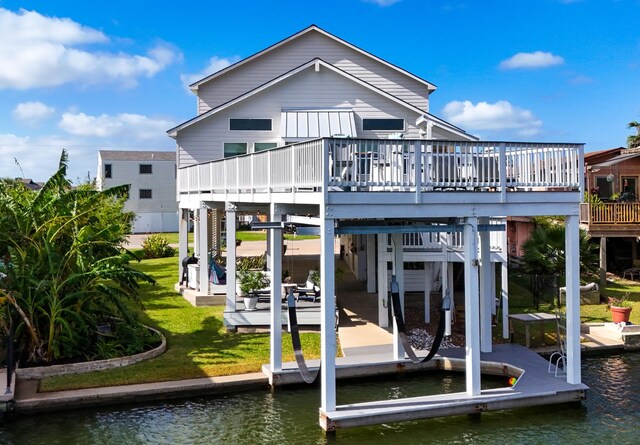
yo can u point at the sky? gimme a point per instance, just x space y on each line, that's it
92 75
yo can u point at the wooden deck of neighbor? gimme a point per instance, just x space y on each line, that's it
536 386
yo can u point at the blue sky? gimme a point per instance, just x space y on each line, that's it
92 75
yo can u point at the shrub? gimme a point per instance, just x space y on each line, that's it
157 246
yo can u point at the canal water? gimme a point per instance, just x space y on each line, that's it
610 415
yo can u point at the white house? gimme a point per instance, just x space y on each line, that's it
315 130
152 176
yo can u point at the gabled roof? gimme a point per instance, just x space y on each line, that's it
318 62
594 157
618 159
137 155
194 86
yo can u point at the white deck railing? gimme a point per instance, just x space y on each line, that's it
391 165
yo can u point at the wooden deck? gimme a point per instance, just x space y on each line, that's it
308 316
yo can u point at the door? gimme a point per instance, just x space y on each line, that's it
629 190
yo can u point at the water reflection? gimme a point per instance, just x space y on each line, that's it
291 416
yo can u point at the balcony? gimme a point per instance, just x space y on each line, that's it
331 165
611 218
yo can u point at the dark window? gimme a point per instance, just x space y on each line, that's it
383 124
107 170
261 146
250 124
145 193
605 186
234 149
145 169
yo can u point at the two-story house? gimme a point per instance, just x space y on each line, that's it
612 212
152 176
315 130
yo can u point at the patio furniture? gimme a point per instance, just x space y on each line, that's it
631 272
528 319
308 291
561 353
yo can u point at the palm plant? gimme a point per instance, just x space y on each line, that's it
633 141
63 264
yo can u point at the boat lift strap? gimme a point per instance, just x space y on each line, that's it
399 319
307 376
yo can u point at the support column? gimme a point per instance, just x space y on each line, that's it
328 315
504 284
275 266
383 282
472 306
603 261
203 242
444 240
452 291
487 304
183 240
429 274
230 305
572 254
371 263
398 261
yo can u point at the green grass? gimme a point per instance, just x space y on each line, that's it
198 344
172 237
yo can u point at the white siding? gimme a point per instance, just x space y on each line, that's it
204 140
157 212
299 51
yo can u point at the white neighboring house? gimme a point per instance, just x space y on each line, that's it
152 175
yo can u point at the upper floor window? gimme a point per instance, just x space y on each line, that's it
145 194
250 124
234 149
604 187
146 169
383 124
107 170
260 146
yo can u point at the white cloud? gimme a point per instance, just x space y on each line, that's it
500 116
382 3
134 126
215 65
537 59
44 52
37 158
32 112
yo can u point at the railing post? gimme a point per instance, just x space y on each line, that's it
503 171
417 154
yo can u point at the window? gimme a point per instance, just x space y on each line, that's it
145 169
107 170
604 187
260 146
145 194
250 124
234 149
383 124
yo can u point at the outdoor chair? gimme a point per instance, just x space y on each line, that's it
632 272
308 291
561 354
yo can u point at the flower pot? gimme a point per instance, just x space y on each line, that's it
250 302
620 314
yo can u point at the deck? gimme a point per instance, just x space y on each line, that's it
611 218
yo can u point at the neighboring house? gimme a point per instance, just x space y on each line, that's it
613 177
314 130
30 184
152 195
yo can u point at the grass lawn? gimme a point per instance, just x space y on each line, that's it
251 235
198 345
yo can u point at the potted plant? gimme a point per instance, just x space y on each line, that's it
251 281
620 309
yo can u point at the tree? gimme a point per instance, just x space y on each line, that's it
544 251
633 141
64 270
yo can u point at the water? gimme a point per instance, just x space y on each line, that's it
611 414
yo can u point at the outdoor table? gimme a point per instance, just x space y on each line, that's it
528 319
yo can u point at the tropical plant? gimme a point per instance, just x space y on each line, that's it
633 141
544 251
157 246
64 270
